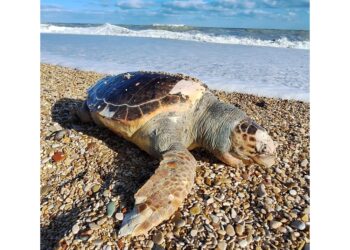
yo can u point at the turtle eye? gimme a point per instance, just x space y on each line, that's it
261 148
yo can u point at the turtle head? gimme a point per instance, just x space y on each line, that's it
250 141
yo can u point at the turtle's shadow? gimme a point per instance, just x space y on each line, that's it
128 180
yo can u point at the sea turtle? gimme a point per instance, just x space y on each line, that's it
167 115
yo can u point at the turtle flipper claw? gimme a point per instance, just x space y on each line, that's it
162 194
134 221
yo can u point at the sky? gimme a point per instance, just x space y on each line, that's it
269 14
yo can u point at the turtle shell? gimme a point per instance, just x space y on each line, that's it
133 95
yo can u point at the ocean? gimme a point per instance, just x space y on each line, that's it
273 63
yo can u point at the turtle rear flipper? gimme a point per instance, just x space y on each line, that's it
162 194
81 113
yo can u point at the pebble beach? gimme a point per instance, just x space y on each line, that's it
89 176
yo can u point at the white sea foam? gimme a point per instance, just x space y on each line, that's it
114 30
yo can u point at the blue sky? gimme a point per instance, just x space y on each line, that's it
274 14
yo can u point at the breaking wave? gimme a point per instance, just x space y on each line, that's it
192 35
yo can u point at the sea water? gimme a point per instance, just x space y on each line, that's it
273 63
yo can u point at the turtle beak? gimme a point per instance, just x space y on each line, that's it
269 154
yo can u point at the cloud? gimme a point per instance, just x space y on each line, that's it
186 5
251 12
248 4
224 8
237 4
101 3
52 8
285 3
270 3
133 4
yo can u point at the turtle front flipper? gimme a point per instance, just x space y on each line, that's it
162 194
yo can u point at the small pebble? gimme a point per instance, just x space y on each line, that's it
269 217
276 190
193 232
233 213
275 224
106 193
261 190
58 156
305 218
230 230
208 181
239 229
158 238
282 230
102 221
222 245
110 209
56 126
199 180
84 238
87 232
119 216
150 244
93 226
60 134
243 243
293 192
222 232
97 242
195 210
95 188
214 218
261 104
91 147
304 163
75 229
297 224
307 210
210 201
179 222
44 190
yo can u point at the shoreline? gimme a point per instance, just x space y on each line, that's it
85 168
212 89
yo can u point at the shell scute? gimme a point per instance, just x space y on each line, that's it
149 107
120 112
134 113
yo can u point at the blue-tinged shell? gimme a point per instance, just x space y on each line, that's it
131 95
